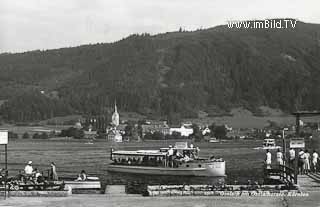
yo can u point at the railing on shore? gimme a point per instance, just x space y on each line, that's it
286 174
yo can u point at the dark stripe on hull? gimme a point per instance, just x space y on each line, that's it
195 172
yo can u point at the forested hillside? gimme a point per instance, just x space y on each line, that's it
176 73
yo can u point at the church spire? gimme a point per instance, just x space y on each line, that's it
115 106
115 115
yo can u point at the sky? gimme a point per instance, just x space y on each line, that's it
47 24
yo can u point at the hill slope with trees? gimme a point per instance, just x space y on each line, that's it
171 74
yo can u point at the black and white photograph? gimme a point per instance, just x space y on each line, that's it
159 103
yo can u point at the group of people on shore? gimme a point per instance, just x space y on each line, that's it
34 174
306 162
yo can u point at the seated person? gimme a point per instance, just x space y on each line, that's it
179 155
186 158
37 176
82 176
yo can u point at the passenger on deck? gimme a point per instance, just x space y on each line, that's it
170 156
179 155
197 152
186 158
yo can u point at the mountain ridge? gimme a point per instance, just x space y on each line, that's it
169 74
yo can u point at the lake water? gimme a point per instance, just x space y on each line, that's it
243 163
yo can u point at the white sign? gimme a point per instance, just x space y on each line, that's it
297 143
3 137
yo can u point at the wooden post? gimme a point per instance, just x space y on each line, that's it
6 171
297 125
296 170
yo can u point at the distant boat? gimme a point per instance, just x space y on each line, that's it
269 144
213 140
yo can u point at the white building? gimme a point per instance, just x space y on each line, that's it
183 130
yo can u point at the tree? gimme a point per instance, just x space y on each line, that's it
197 134
128 130
176 135
157 136
72 132
148 136
212 128
220 132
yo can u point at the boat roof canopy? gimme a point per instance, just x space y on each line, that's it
140 153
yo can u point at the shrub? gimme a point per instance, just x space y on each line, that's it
25 135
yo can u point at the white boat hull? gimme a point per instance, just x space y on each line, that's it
214 169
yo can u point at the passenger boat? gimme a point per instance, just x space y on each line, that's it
158 163
89 185
269 144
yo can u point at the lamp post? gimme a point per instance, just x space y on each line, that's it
284 144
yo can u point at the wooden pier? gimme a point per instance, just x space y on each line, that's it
310 182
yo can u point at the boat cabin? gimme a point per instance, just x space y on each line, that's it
269 143
158 158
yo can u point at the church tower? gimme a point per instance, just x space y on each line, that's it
115 116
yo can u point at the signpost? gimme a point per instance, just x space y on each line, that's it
296 143
4 141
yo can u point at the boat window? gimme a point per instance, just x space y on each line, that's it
187 165
199 165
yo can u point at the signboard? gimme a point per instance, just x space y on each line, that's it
297 143
3 137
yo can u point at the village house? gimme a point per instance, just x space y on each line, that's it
184 130
155 126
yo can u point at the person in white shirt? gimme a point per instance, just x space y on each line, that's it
268 159
170 155
306 162
315 157
28 170
292 156
279 157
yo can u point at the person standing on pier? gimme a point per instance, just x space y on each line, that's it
301 161
53 172
292 156
279 157
306 164
315 158
268 159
